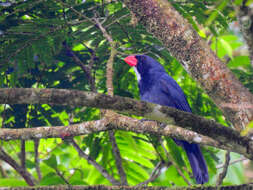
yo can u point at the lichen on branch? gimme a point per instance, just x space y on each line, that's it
223 135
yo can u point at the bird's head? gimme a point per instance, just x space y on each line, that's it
143 65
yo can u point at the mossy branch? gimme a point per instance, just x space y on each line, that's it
223 135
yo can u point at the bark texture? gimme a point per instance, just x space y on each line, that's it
183 42
224 135
119 122
101 187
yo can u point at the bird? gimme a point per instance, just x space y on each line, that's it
156 86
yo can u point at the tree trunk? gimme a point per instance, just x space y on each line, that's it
183 42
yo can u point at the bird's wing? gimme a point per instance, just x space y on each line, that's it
170 87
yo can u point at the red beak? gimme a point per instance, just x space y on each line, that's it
131 60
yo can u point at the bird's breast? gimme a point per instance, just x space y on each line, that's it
155 95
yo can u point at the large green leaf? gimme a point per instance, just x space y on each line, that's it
12 182
51 161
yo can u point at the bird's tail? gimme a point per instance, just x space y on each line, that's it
197 162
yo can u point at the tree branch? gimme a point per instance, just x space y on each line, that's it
126 123
183 42
225 136
223 174
94 163
22 171
121 123
102 187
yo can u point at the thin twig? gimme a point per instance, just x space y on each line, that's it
94 163
172 162
74 10
179 170
92 62
29 42
2 171
223 174
28 6
61 176
36 157
117 20
164 149
23 154
109 67
109 85
232 162
175 164
84 67
126 33
118 158
154 174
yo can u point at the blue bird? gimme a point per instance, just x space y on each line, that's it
156 86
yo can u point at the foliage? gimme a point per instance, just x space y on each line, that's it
38 40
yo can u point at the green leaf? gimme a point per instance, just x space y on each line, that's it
135 156
130 149
12 182
51 161
93 176
175 151
137 171
238 2
113 7
216 12
78 182
30 164
249 2
173 176
226 47
248 129
51 179
235 171
95 148
239 61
